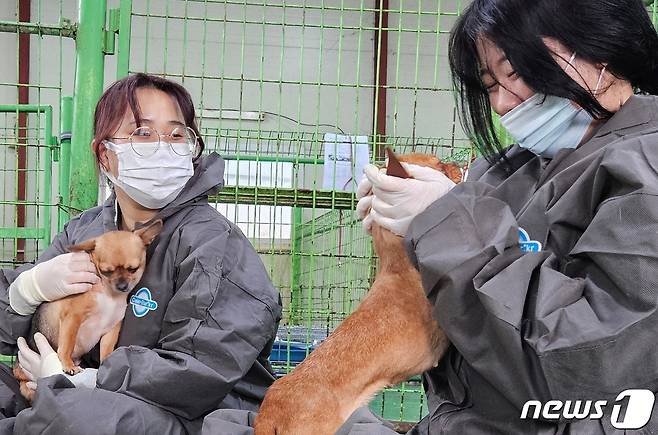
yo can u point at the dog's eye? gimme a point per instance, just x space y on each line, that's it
131 269
107 273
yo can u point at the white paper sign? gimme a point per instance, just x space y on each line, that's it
344 160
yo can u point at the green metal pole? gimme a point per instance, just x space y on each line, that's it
296 269
65 126
123 60
51 141
88 88
29 108
274 159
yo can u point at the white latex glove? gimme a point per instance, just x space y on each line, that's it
396 201
56 278
364 195
38 365
46 363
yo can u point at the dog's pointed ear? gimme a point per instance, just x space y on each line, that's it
147 234
86 246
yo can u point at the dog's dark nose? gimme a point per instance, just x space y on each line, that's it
122 286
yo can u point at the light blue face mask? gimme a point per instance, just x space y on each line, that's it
545 124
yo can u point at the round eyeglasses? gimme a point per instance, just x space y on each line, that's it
145 141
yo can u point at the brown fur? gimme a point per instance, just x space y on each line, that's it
390 337
120 259
451 170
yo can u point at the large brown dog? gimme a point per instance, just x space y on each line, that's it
389 338
75 324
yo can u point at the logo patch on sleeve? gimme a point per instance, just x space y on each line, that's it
142 302
526 244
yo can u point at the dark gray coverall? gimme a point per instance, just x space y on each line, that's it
576 319
204 347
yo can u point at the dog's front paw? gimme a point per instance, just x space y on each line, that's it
72 370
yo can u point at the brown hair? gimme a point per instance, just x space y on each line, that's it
112 106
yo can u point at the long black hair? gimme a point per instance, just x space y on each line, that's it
617 33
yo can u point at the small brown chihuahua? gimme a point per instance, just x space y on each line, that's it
349 367
75 324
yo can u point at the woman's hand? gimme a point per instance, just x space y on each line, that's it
54 279
393 202
38 365
46 363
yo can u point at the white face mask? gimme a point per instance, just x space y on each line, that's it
153 181
545 124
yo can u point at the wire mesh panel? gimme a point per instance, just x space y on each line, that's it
25 160
335 271
37 35
297 96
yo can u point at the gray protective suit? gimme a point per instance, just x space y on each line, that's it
566 309
570 313
205 345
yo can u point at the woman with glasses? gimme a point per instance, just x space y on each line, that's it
200 324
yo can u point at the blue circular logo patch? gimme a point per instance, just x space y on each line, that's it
142 302
526 244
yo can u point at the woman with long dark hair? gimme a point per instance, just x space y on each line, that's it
543 266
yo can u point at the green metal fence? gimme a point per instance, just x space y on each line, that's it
294 94
38 36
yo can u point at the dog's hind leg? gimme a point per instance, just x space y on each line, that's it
23 379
